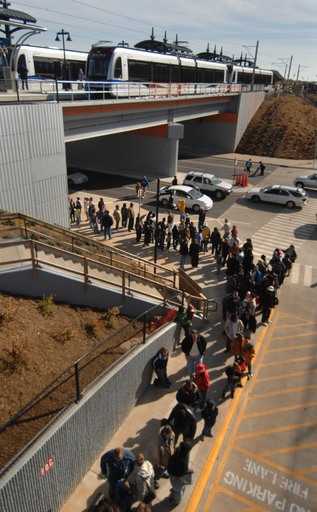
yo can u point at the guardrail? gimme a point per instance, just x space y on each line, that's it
69 90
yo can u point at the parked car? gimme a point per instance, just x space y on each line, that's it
208 183
194 199
280 194
306 181
76 178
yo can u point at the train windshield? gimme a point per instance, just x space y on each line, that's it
98 63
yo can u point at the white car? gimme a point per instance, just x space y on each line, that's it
208 183
194 199
306 181
280 194
76 178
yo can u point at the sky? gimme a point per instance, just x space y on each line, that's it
286 30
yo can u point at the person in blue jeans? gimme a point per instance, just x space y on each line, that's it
116 464
107 222
194 347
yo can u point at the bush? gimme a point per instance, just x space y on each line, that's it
47 304
109 317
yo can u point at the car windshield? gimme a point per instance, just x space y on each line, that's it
196 194
215 180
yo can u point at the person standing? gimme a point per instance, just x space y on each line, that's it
209 414
124 215
81 77
226 229
201 218
232 326
24 76
183 251
194 347
234 374
116 464
131 216
175 181
267 303
248 165
178 469
170 221
142 479
194 253
159 365
215 240
163 449
107 222
202 383
117 216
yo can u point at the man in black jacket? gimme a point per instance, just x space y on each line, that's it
180 474
194 347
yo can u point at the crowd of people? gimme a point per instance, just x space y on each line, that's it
250 296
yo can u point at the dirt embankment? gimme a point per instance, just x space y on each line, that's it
283 127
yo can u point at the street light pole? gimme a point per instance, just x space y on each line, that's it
63 33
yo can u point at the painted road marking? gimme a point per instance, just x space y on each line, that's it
262 484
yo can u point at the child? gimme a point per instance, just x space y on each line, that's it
209 413
202 382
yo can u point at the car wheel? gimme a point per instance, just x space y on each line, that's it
290 204
256 199
196 208
70 182
219 194
299 184
165 202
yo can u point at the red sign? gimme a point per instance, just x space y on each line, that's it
47 466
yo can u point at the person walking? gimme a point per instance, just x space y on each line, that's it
194 250
248 165
23 70
194 347
144 185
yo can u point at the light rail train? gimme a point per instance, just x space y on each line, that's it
139 70
48 63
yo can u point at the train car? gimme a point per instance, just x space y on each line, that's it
48 63
243 75
138 72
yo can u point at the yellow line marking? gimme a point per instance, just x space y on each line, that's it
295 325
286 361
306 470
294 374
288 449
230 446
209 464
297 347
275 430
280 409
252 506
272 464
282 391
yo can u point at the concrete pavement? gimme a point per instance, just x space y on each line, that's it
208 458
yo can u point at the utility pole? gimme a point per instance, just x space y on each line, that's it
289 70
254 64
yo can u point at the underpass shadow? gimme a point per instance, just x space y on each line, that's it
301 232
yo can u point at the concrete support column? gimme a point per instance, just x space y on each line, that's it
150 151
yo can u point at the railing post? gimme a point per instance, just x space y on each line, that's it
144 328
78 394
123 287
33 259
165 295
183 296
174 278
85 274
57 97
25 228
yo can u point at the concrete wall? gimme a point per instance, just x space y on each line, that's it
32 163
221 133
76 438
150 152
69 289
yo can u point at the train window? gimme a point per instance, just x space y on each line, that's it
219 75
161 72
98 66
175 73
118 68
187 74
139 71
199 75
46 68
